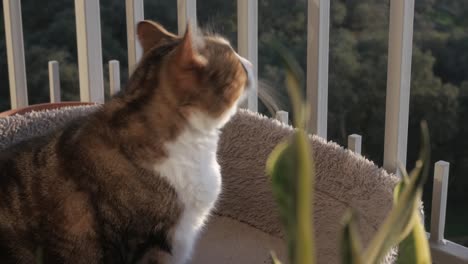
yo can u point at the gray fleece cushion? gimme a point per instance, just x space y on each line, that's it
245 225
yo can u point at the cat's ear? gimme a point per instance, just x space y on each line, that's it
187 55
151 34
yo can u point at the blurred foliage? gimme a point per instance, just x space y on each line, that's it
357 74
292 172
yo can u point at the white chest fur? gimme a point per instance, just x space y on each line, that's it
193 171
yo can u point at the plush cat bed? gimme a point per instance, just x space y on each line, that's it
245 226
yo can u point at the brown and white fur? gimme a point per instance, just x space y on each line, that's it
135 181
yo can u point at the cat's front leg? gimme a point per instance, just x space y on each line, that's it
182 250
185 236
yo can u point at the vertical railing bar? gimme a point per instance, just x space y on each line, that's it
247 42
282 116
318 24
186 12
134 13
398 83
15 53
355 143
439 201
114 77
88 34
54 81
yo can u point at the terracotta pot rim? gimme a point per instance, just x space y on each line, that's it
42 107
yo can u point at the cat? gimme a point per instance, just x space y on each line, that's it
135 181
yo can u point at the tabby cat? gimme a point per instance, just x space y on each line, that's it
135 181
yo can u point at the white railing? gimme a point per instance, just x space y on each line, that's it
443 251
283 117
54 81
318 11
114 77
355 143
318 24
400 41
247 41
15 53
135 13
88 36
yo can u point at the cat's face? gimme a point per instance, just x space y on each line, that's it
203 75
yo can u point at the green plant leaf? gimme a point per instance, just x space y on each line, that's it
290 168
283 170
396 195
351 248
305 250
399 222
414 249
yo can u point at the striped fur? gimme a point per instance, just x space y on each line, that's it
107 187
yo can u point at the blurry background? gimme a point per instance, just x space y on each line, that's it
357 73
